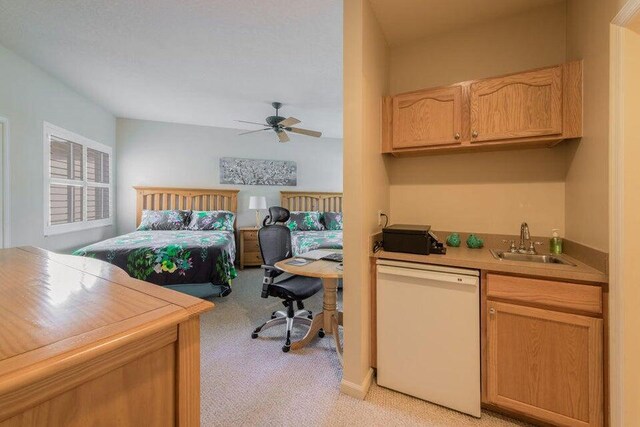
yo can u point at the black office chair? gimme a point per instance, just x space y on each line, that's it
275 245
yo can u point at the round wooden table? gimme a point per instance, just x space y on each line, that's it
330 318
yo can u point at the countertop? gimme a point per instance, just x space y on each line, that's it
62 310
482 259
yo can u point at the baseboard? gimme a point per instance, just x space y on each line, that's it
359 391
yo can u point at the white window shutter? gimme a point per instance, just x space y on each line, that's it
77 182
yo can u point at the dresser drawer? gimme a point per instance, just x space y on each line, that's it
548 293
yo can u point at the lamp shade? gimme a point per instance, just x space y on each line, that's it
257 202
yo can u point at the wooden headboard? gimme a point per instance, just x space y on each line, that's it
198 199
311 201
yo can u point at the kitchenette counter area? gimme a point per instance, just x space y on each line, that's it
482 259
542 326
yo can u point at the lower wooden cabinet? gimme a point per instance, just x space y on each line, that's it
544 363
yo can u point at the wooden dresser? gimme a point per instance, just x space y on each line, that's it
82 343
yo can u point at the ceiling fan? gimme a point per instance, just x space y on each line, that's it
281 126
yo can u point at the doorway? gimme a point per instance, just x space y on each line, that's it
624 342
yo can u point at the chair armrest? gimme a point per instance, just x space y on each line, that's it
270 273
271 270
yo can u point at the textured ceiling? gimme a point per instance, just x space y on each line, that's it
403 21
204 62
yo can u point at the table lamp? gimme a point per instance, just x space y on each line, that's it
257 203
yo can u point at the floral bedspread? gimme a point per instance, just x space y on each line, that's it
305 241
170 257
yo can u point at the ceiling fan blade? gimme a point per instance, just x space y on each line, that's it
253 123
289 121
254 131
307 132
282 136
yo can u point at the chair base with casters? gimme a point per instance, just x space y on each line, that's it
292 290
288 317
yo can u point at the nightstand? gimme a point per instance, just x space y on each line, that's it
249 248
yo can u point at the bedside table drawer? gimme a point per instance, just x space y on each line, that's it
252 258
250 235
249 249
251 246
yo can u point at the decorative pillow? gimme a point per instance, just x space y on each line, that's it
211 220
305 221
332 220
163 220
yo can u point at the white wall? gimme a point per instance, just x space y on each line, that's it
175 155
587 183
28 97
366 184
502 188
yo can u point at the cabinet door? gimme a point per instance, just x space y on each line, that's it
523 105
431 117
545 364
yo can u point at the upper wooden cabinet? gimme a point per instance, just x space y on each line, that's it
518 106
427 118
533 108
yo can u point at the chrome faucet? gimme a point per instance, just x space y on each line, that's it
524 235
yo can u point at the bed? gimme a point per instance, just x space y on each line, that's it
198 262
301 201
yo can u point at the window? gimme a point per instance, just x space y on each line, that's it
77 182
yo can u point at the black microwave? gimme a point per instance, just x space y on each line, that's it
411 239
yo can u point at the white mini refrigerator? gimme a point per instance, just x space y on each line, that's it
428 320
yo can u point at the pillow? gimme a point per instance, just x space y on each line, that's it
163 220
211 220
305 221
332 220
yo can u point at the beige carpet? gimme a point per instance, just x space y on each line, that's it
249 382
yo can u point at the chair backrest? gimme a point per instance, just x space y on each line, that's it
275 237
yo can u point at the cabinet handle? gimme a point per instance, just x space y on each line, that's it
492 311
474 134
457 136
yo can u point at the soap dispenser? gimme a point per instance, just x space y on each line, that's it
555 243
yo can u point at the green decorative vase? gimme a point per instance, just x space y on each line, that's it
453 240
474 242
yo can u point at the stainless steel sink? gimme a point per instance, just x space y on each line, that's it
538 258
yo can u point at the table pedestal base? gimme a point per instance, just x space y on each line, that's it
329 320
319 323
